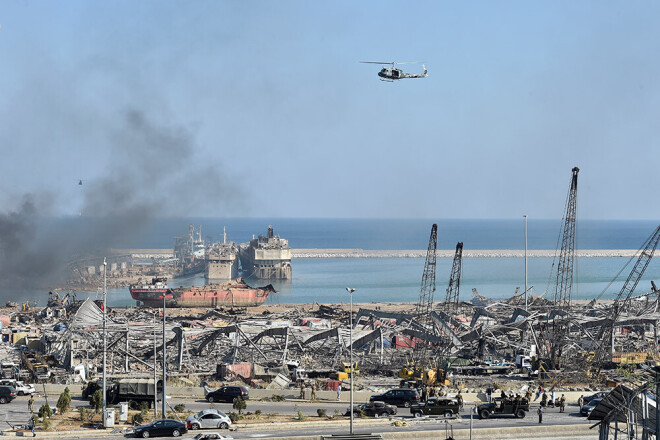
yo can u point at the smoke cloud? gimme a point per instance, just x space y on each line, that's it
151 171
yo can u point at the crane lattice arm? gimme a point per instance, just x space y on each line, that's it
451 301
622 301
564 280
426 292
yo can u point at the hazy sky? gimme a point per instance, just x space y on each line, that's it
246 108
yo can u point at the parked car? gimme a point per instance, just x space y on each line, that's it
228 394
208 418
587 408
159 428
598 395
399 397
7 394
373 409
437 406
22 388
503 406
212 436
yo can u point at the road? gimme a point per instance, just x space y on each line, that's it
16 412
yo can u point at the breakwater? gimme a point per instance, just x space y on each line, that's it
409 253
447 253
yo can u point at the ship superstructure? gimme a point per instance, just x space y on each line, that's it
222 260
266 257
189 251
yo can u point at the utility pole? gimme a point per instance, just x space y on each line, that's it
350 346
155 374
164 410
105 338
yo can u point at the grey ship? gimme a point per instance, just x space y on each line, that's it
266 257
222 260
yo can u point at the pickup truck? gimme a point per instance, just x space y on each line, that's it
503 406
22 389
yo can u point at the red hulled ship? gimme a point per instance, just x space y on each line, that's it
234 293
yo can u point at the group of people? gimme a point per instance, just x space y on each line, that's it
551 401
314 388
428 392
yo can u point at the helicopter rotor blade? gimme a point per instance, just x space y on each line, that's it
375 62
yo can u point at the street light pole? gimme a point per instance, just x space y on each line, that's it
350 347
525 216
105 339
164 410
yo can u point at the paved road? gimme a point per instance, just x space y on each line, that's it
16 412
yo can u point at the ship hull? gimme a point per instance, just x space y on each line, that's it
233 294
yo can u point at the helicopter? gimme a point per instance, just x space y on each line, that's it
392 74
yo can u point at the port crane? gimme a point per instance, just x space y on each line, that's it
605 336
392 74
564 277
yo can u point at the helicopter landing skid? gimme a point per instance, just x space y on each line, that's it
386 80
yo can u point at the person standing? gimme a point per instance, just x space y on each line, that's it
31 405
581 401
540 413
489 391
338 391
313 397
552 398
562 403
459 399
302 390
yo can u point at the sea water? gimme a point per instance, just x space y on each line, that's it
398 279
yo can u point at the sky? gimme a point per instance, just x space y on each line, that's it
263 109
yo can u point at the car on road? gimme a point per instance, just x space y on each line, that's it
373 409
22 388
228 394
436 406
598 395
399 397
208 419
7 394
160 428
587 408
503 407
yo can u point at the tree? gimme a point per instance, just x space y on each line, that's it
239 405
97 401
45 411
64 402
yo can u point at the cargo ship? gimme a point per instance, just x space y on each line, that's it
222 260
234 293
266 257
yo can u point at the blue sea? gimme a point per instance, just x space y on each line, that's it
399 279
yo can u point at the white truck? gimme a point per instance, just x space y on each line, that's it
22 388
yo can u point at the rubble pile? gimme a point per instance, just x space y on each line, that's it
275 347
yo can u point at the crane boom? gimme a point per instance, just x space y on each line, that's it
564 279
622 301
451 301
425 304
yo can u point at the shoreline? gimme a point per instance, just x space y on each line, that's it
410 253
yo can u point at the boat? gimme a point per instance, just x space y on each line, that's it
266 257
234 293
157 286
